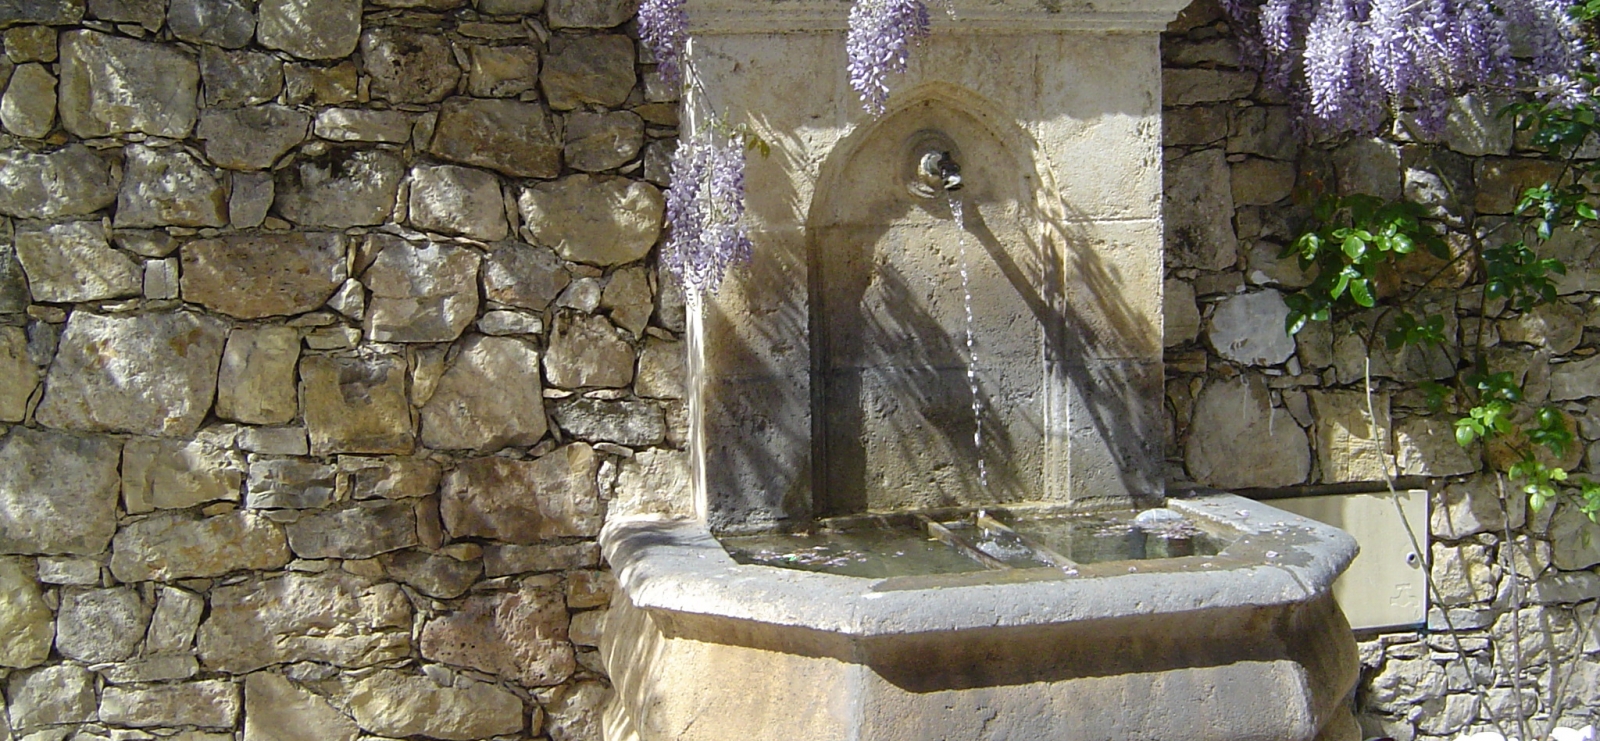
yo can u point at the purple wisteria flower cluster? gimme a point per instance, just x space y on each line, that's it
664 27
1346 63
705 209
877 45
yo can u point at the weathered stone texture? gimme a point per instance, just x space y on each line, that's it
528 277
653 482
334 617
595 220
509 136
602 141
175 474
502 71
54 12
169 187
239 78
1198 212
489 398
662 370
100 625
408 65
72 261
1248 329
524 502
291 483
1238 439
631 422
70 181
27 627
29 106
167 547
361 124
208 704
361 531
387 478
581 70
1351 445
586 351
256 382
442 577
173 357
251 276
421 293
520 635
225 23
343 188
115 85
277 710
356 405
573 712
400 705
458 200
172 625
310 29
253 137
51 695
58 493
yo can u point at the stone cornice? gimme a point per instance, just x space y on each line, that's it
971 16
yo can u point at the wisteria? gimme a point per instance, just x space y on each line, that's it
878 45
664 27
1347 63
705 209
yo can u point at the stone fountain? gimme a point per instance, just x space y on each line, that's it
831 381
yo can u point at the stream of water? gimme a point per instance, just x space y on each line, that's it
972 353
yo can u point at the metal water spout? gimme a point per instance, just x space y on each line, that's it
940 171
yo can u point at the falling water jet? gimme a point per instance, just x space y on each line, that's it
972 353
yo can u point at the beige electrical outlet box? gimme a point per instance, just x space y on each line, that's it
1386 586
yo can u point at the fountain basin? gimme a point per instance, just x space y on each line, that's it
1246 644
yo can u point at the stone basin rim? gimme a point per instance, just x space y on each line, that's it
677 566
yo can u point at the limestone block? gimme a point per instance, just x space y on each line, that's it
603 141
596 70
53 12
29 106
1199 212
70 181
161 279
1260 182
524 502
50 696
226 23
1190 86
1557 327
27 628
1501 181
1540 634
573 712
174 621
1179 312
116 85
632 422
519 635
343 188
502 560
100 625
1426 446
408 65
587 589
1575 380
209 704
177 474
663 370
586 351
1248 328
363 125
658 161
310 29
172 356
1463 574
350 300
1369 166
252 276
334 617
510 7
256 381
1474 126
1474 506
14 298
386 703
629 299
58 493
595 220
276 710
509 136
167 186
582 295
252 137
490 397
251 197
72 261
590 13
360 531
502 71
316 85
501 323
1238 439
290 483
274 440
356 405
387 478
167 547
527 277
1351 446
239 78
1576 540
1264 131
1566 587
1194 125
440 577
1403 682
458 200
426 293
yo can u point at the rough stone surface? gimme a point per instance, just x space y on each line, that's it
1575 380
523 276
277 710
662 369
400 705
590 13
251 276
1238 439
116 85
489 398
426 293
581 70
586 351
441 577
524 502
1474 506
1557 327
255 383
251 138
41 11
208 704
70 181
1180 315
653 482
29 106
503 71
387 478
166 547
361 531
1190 86
520 635
458 200
501 560
100 625
51 695
1426 446
226 23
251 197
345 187
1462 574
1351 446
631 422
1572 534
1249 329
238 78
27 627
603 141
58 493
361 124
290 483
172 356
573 711
595 220
408 65
1199 212
169 187
334 617
72 261
176 474
509 136
356 405
1259 182
310 29
172 626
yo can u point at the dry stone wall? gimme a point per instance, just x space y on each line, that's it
328 335
1249 407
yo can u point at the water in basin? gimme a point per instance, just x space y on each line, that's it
867 553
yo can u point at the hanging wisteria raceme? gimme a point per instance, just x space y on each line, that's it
664 27
705 209
1345 64
878 45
